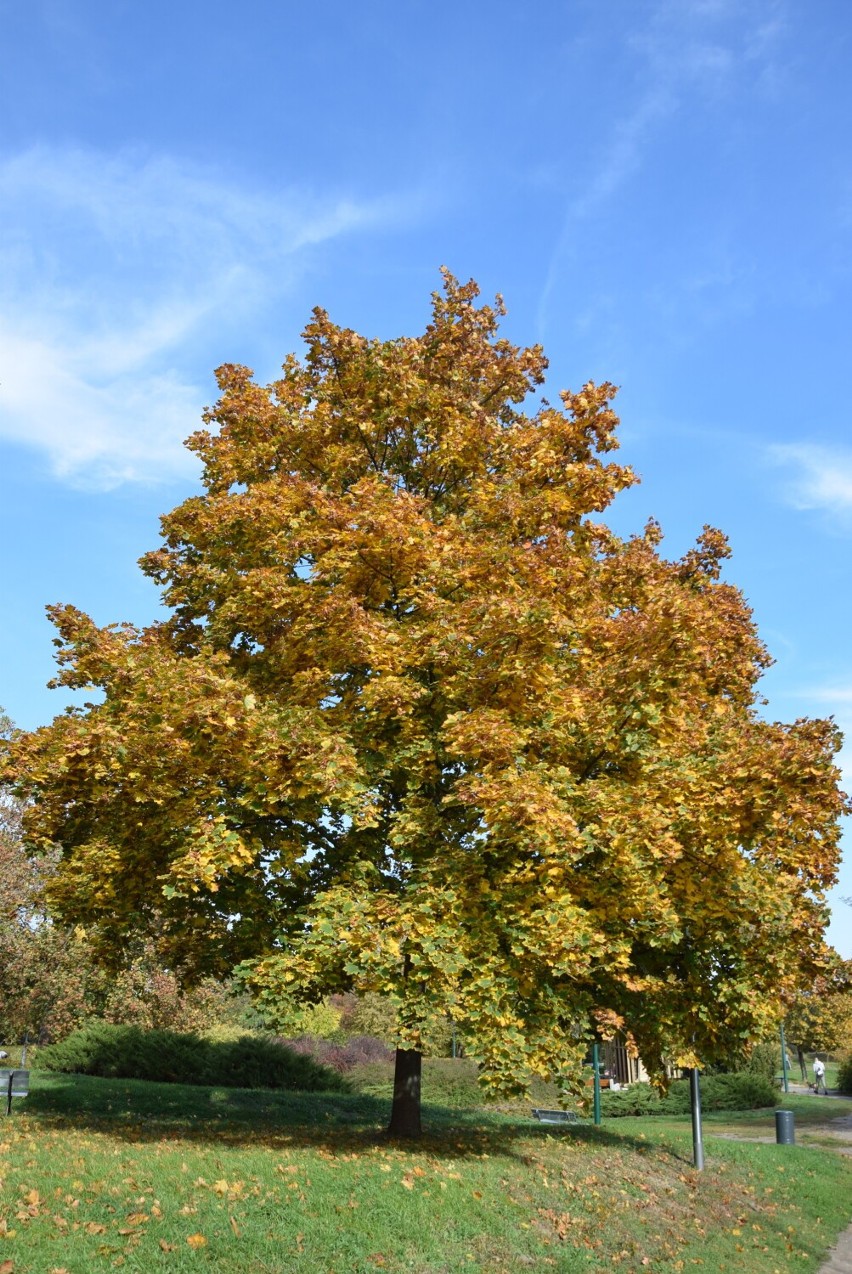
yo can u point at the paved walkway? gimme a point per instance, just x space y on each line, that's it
840 1257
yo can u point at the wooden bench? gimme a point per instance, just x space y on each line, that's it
556 1116
13 1083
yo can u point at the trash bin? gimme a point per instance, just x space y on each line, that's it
785 1127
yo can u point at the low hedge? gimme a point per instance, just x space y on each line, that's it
738 1091
128 1052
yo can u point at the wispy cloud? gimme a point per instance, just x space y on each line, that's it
699 50
116 271
821 477
830 694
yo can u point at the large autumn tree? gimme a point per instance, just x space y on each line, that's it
419 724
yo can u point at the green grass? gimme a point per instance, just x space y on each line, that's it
115 1174
807 1108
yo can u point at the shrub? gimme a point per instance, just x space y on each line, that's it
127 1052
367 1014
738 1091
638 1099
357 1051
447 1081
844 1075
764 1060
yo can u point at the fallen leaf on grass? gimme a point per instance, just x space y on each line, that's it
234 1226
196 1240
7 1267
167 1247
94 1227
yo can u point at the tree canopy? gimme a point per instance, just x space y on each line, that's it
418 723
820 1016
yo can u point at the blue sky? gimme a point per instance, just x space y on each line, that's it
661 189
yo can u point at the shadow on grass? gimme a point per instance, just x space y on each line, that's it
139 1111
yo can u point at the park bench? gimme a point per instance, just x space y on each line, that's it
556 1116
13 1083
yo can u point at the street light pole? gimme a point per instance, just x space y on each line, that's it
784 1060
695 1101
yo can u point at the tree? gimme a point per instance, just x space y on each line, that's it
819 1019
50 983
43 975
419 725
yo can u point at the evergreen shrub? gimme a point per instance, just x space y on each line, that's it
737 1091
128 1052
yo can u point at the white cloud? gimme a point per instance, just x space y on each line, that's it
822 476
116 273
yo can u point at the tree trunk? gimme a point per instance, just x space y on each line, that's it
802 1064
405 1111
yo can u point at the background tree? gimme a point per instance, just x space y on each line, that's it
43 985
420 725
50 982
819 1020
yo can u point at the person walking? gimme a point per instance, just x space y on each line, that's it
819 1076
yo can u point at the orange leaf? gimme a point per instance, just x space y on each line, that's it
196 1240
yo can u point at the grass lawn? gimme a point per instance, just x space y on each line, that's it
101 1174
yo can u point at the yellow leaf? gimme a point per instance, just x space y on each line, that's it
196 1240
